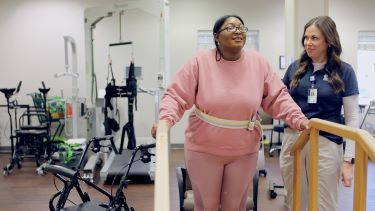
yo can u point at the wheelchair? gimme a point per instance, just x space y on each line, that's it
72 179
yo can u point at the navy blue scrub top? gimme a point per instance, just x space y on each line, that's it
329 104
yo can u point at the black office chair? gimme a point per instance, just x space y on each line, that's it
278 128
267 125
186 195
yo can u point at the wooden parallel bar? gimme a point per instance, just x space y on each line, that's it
361 137
301 141
296 182
360 181
162 192
313 169
365 148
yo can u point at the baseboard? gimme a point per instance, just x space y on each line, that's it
5 149
177 146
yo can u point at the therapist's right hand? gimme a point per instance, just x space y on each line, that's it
153 130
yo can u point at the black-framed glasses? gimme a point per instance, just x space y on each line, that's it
233 28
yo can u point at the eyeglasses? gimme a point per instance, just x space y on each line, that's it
232 28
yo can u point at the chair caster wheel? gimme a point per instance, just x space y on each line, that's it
263 172
40 171
6 173
273 194
7 170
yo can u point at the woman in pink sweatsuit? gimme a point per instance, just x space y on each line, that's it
227 85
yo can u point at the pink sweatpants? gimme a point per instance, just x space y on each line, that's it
220 181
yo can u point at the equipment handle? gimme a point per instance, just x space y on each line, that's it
102 138
18 87
146 146
120 43
60 170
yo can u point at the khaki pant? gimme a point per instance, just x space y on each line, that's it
330 160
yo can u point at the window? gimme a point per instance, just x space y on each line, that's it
366 66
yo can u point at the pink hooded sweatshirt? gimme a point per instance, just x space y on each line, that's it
231 90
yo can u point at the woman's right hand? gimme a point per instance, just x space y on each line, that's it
153 130
305 124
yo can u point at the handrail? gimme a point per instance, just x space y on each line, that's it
161 188
365 147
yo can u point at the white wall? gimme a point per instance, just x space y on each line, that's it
32 45
187 17
351 17
32 48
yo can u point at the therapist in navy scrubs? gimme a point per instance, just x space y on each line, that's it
322 85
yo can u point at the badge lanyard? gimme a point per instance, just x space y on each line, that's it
312 96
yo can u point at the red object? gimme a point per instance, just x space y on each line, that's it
69 110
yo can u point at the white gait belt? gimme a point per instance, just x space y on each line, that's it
224 123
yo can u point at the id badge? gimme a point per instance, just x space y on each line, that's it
313 96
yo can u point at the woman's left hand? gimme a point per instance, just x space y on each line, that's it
346 174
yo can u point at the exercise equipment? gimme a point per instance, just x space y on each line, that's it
74 75
8 93
111 168
94 17
30 140
72 179
141 173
